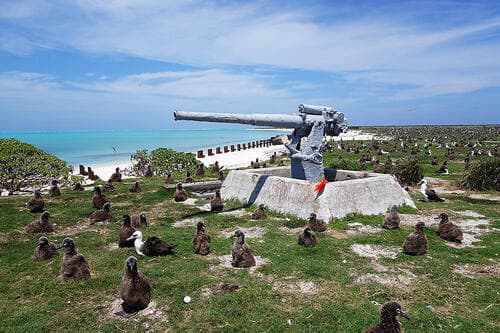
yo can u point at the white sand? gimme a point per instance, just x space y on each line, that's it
242 158
233 160
104 171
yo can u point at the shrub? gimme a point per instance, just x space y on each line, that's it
22 166
484 175
344 165
163 161
408 172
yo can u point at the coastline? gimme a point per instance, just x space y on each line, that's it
230 160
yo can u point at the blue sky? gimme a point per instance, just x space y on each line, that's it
90 65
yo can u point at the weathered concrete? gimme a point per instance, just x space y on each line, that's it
370 195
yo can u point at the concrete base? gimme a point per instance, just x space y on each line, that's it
371 195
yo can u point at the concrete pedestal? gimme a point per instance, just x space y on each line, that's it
370 195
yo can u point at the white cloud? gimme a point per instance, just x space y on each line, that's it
391 45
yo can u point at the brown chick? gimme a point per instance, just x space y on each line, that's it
416 242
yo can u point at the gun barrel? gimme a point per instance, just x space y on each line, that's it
272 120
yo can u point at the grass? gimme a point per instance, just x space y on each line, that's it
32 299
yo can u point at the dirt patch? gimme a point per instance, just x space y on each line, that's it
357 228
375 251
83 227
468 213
411 219
225 261
186 223
237 213
491 197
401 279
250 232
474 271
115 311
335 234
301 287
291 231
188 202
113 246
220 289
205 207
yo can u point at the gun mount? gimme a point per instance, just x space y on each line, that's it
311 123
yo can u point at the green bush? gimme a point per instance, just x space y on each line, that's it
482 176
24 166
163 161
409 172
344 165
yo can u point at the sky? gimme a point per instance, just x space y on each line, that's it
128 64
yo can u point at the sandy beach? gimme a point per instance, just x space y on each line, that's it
233 160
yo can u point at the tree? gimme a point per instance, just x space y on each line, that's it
163 161
22 166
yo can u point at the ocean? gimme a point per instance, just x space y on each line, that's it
114 147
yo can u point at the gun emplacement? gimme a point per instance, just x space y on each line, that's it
335 123
312 121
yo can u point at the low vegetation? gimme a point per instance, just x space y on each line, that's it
329 288
483 176
23 166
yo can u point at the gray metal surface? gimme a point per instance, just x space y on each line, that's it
312 122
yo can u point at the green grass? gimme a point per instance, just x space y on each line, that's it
32 299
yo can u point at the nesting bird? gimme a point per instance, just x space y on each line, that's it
215 167
447 230
74 266
391 221
428 193
101 215
216 204
135 188
78 187
241 253
443 170
307 238
109 187
180 195
139 221
135 290
153 246
44 249
36 204
416 242
54 190
200 172
99 199
169 179
116 176
41 225
201 241
259 213
126 232
388 321
189 178
317 225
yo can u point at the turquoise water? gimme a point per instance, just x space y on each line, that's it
108 147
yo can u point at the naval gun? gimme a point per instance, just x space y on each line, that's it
311 123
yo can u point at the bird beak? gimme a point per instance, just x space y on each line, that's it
437 218
404 315
233 236
60 247
131 266
131 237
